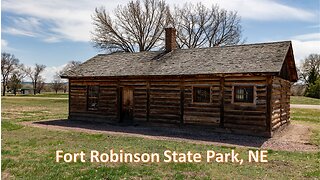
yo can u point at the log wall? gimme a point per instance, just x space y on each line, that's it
165 100
246 116
280 103
108 110
170 100
155 100
202 113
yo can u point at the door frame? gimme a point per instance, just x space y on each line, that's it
121 106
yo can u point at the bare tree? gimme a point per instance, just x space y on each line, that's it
15 81
139 27
71 65
34 75
200 26
135 27
40 85
8 65
57 84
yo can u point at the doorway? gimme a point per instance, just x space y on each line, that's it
126 109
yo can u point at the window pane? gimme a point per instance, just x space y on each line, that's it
243 94
93 97
201 94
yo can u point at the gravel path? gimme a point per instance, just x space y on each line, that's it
294 138
305 106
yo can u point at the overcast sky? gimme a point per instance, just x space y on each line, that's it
53 32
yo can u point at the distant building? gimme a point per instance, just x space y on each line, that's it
26 90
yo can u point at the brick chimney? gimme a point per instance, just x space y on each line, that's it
170 39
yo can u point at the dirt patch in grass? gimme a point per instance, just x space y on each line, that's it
6 175
296 137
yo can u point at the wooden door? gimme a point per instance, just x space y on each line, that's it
127 104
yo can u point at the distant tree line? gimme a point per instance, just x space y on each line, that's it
13 73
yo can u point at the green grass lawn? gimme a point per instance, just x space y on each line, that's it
311 115
45 94
29 109
29 152
304 100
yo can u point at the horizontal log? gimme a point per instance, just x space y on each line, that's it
245 127
200 105
245 117
164 90
165 86
161 82
78 97
197 119
261 94
203 109
176 98
164 117
246 122
165 110
241 112
108 100
250 78
140 110
168 94
140 115
74 110
164 104
140 119
201 79
140 96
140 100
108 87
160 120
202 114
245 107
244 83
152 106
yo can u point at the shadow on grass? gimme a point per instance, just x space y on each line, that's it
197 133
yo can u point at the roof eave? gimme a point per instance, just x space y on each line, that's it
179 75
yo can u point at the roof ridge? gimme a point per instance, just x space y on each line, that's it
260 43
238 45
227 46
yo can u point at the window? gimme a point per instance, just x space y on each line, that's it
201 94
93 97
243 94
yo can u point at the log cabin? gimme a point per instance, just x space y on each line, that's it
240 89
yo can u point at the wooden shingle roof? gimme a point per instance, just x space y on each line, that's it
250 58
